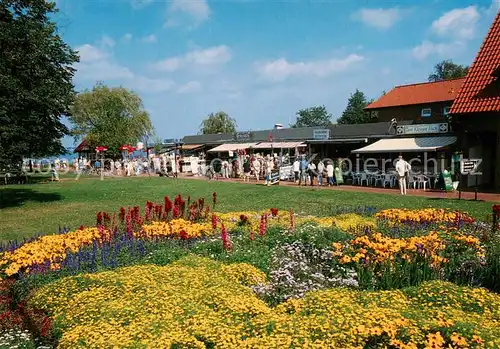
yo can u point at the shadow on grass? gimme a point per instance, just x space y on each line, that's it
14 197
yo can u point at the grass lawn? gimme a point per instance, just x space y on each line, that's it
29 209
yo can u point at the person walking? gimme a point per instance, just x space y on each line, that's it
246 170
321 169
403 169
296 169
311 169
329 173
256 168
303 171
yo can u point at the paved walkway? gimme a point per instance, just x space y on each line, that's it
491 197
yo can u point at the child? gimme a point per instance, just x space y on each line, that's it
55 176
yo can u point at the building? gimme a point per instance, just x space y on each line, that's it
476 109
428 102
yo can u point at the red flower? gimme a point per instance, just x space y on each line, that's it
122 214
175 212
262 226
243 219
214 221
274 212
214 198
99 218
168 205
496 210
251 235
226 243
292 220
81 227
183 235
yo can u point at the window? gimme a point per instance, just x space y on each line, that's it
446 111
426 112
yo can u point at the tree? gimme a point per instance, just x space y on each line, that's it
219 122
314 116
109 117
35 82
447 70
355 112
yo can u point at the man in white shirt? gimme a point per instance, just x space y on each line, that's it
296 169
403 169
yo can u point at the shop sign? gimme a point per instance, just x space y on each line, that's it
423 128
322 134
243 136
470 166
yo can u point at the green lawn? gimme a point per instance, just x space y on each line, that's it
28 209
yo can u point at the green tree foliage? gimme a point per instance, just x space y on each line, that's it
314 116
219 122
35 81
109 117
447 70
355 112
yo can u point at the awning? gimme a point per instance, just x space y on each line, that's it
191 146
279 145
231 147
338 140
396 145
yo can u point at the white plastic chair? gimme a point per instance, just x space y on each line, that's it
364 178
413 182
379 179
422 182
388 179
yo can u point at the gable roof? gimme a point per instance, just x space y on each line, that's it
481 89
422 93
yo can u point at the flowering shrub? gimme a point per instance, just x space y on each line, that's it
297 268
385 262
426 215
17 339
48 252
200 303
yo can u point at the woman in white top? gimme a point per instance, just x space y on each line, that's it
329 173
321 169
311 169
256 168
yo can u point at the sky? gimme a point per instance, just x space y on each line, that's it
262 61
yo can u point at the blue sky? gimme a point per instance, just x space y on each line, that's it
261 61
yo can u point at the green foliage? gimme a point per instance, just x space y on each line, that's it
314 116
355 112
35 81
447 70
110 117
219 122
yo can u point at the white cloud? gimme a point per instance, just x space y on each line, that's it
89 53
149 39
148 85
281 69
127 37
212 55
195 10
138 4
189 87
107 41
198 57
380 18
460 23
98 65
442 50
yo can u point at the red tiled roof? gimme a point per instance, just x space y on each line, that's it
481 89
423 93
82 147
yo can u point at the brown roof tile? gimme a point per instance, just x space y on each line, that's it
481 89
422 93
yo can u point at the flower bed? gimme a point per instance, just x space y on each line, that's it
196 302
50 251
